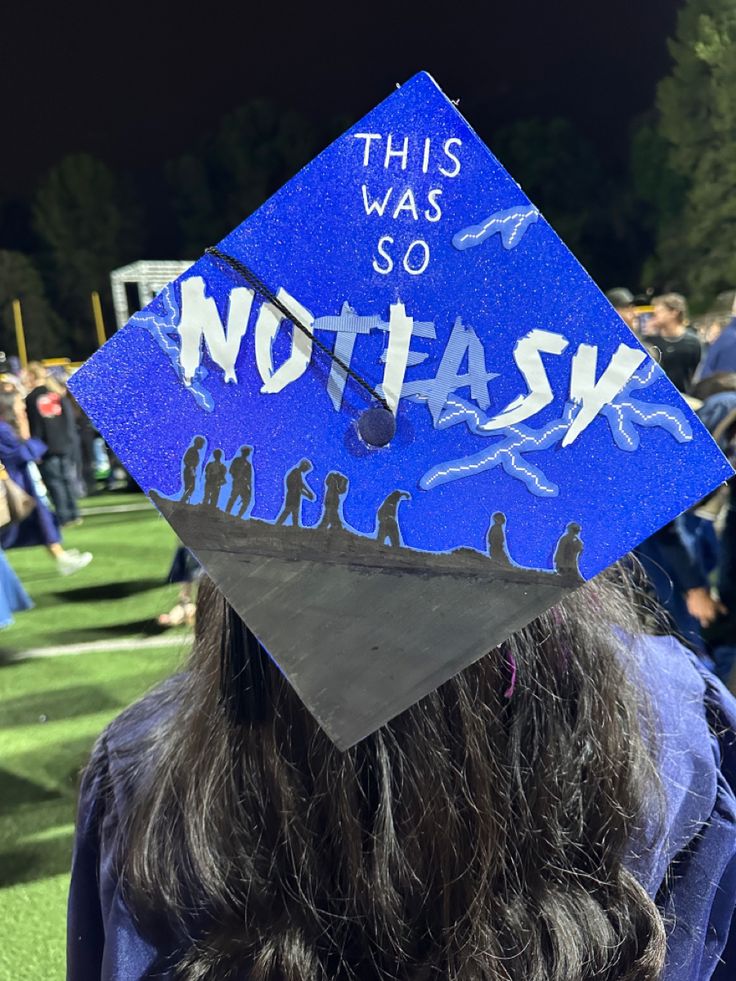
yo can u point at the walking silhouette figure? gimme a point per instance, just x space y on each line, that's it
388 522
336 487
190 462
567 553
241 475
215 475
297 489
497 547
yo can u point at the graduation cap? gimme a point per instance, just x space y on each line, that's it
393 417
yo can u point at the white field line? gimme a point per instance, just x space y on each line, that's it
116 509
47 834
92 646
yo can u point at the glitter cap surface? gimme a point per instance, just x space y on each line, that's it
535 440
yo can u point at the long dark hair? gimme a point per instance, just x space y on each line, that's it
482 835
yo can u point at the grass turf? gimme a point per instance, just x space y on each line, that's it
52 708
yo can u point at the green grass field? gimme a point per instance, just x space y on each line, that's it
54 703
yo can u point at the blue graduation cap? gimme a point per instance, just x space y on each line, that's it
535 440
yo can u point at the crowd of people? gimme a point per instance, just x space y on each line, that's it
51 454
41 463
690 564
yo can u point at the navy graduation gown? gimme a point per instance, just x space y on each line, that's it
691 871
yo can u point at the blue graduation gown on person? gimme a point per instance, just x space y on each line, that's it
721 355
40 527
691 871
13 597
673 570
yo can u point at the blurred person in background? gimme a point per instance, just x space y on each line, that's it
709 330
679 348
622 301
186 570
94 462
10 383
698 548
718 414
721 356
13 597
678 580
18 452
721 381
51 421
722 633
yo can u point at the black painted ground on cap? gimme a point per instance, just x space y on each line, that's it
360 642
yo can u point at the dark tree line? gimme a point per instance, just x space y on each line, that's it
663 215
84 220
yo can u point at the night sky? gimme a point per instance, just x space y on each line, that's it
138 83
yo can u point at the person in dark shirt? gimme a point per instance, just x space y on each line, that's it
622 301
679 348
51 420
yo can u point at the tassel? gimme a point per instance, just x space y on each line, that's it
244 673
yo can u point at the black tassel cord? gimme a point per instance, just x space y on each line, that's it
267 294
243 661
